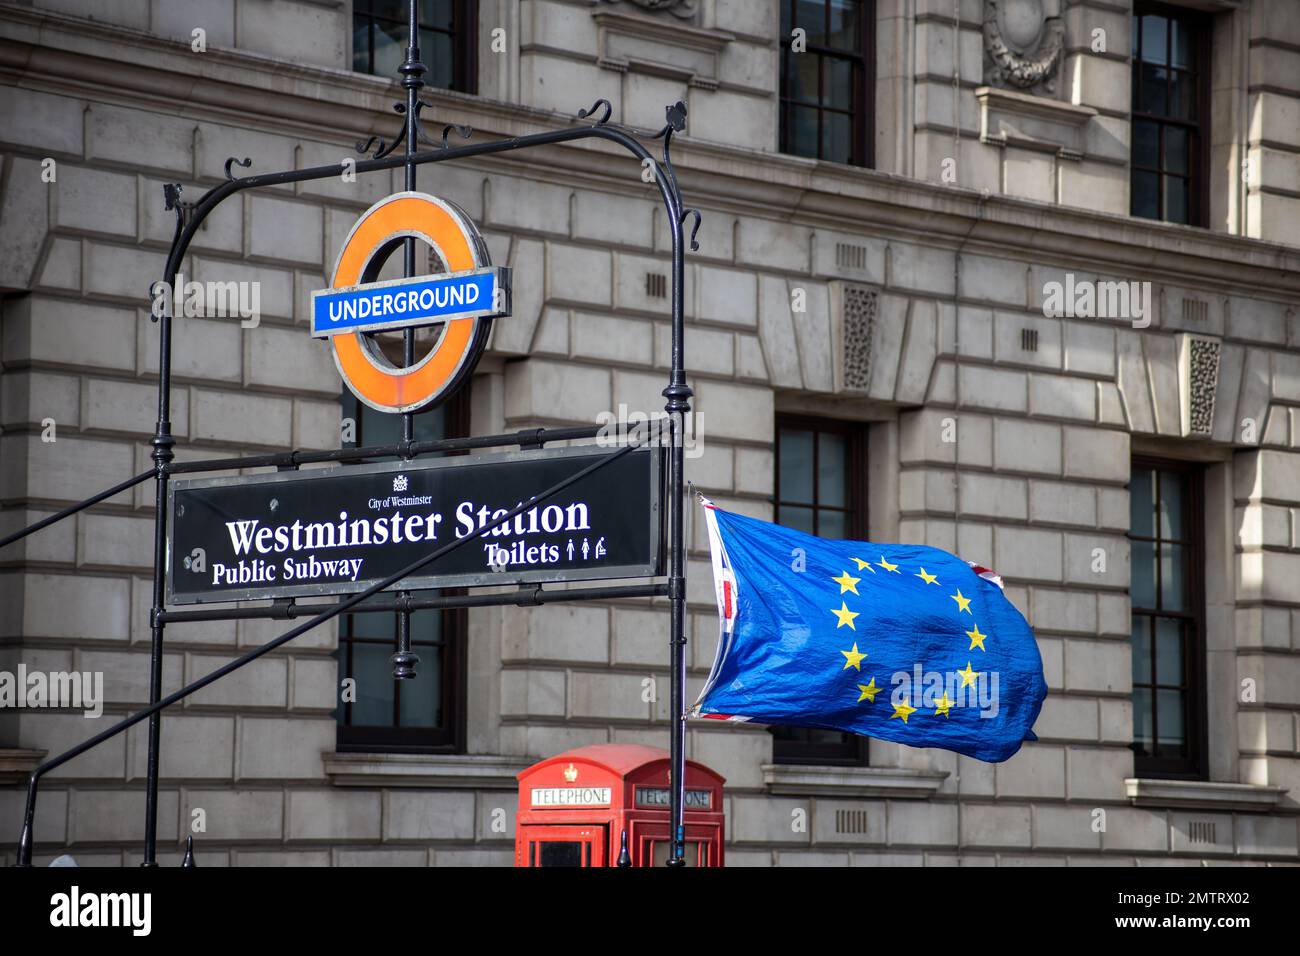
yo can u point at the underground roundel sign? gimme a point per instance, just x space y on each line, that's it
464 300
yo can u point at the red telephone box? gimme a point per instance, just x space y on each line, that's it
575 807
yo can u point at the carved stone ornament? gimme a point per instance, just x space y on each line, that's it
1024 40
1198 380
853 332
678 8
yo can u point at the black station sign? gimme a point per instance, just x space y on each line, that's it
340 530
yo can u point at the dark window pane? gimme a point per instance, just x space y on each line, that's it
803 131
1173 596
810 15
832 470
800 519
390 48
419 696
1146 195
1143 574
1182 98
1154 94
832 524
1169 651
1146 144
360 45
1176 150
1141 649
844 24
796 465
802 77
1171 723
559 853
1171 505
1154 39
436 52
786 24
1175 199
1181 47
374 677
837 137
1142 721
393 9
837 83
1141 502
437 13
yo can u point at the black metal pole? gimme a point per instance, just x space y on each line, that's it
404 661
162 456
678 395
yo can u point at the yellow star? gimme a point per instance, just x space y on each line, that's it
869 691
976 638
864 565
968 676
853 659
887 566
845 615
963 602
902 710
927 578
944 705
847 583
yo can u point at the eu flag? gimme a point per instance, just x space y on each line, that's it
902 642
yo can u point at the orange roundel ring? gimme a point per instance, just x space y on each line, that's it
370 376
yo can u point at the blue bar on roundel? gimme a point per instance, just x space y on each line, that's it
402 303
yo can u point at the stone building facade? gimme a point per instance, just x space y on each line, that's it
908 301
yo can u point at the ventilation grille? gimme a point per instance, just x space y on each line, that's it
1029 340
1195 310
850 821
849 255
1200 831
656 285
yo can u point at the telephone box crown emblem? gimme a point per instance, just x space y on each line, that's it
570 773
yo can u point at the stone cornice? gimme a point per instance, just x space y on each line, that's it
797 780
449 771
79 57
1202 794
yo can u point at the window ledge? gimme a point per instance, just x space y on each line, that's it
1202 794
445 771
17 763
821 781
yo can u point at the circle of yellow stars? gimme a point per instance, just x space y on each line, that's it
853 657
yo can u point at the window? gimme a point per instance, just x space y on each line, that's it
1170 114
448 40
828 87
1168 601
820 489
425 714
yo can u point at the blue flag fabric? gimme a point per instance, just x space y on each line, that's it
902 642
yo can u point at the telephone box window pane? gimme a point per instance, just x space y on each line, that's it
1141 649
559 853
